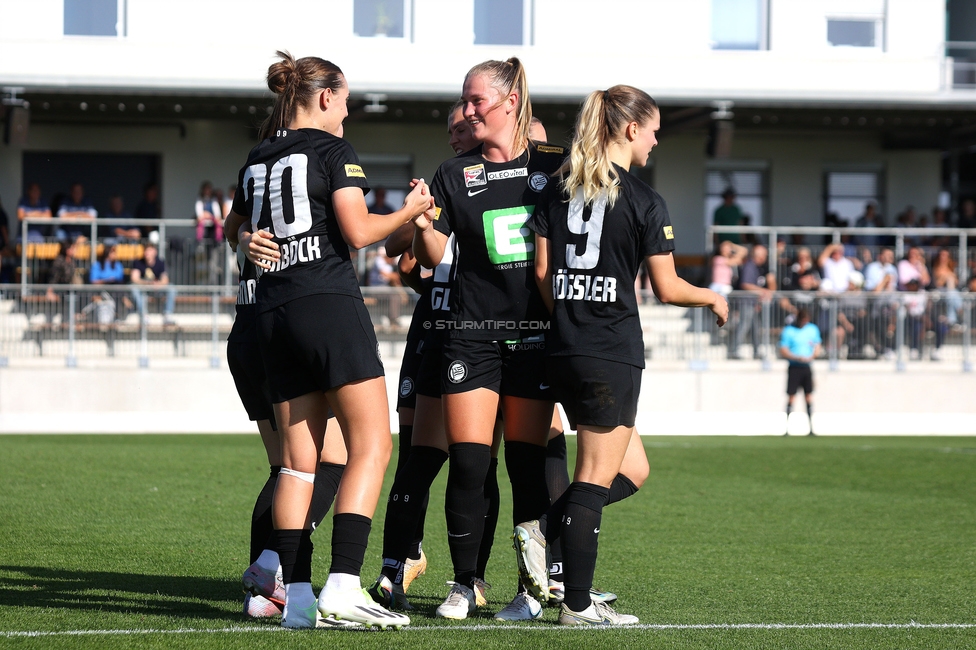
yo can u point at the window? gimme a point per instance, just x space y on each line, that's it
749 186
853 33
379 18
847 192
739 24
503 22
94 17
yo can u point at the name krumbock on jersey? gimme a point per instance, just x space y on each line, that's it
286 189
596 252
486 205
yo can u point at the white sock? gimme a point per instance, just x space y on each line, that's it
298 596
268 560
343 582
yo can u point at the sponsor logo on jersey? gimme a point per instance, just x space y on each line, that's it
406 387
538 181
548 148
474 176
354 171
505 174
506 236
668 232
457 371
477 192
437 214
579 286
297 251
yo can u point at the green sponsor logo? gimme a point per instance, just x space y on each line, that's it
507 237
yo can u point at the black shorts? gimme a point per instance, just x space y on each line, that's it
429 373
247 369
513 368
799 376
409 369
595 392
316 343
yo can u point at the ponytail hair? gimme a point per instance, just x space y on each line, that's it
601 123
295 82
508 77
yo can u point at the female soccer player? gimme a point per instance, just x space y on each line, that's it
303 189
494 350
594 228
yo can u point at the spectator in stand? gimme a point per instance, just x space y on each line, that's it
967 213
380 205
116 210
148 207
940 219
107 269
913 268
881 276
724 265
870 219
946 282
909 219
802 277
79 208
916 304
756 278
32 206
384 270
728 214
209 214
835 269
151 271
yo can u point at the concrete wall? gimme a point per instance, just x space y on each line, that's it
729 399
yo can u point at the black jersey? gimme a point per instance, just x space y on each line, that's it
432 315
485 205
286 188
596 254
243 330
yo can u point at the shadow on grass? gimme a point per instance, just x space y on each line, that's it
128 593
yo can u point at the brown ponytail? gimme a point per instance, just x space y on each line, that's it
295 83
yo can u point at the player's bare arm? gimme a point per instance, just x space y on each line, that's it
360 228
671 289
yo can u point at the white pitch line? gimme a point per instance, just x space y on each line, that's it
522 628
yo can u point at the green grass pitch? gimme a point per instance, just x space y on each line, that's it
139 541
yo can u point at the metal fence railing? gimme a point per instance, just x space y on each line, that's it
78 322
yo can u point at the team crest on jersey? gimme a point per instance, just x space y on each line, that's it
406 387
355 171
548 148
474 176
379 356
668 232
538 181
457 372
505 174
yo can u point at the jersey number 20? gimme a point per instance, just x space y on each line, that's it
286 187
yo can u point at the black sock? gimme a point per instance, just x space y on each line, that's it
418 534
405 442
810 415
294 548
580 535
789 408
405 503
527 471
621 488
350 534
492 497
261 524
557 479
327 478
464 506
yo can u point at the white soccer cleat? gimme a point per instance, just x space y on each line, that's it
522 608
259 607
459 603
299 618
260 582
357 606
480 588
595 614
531 555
